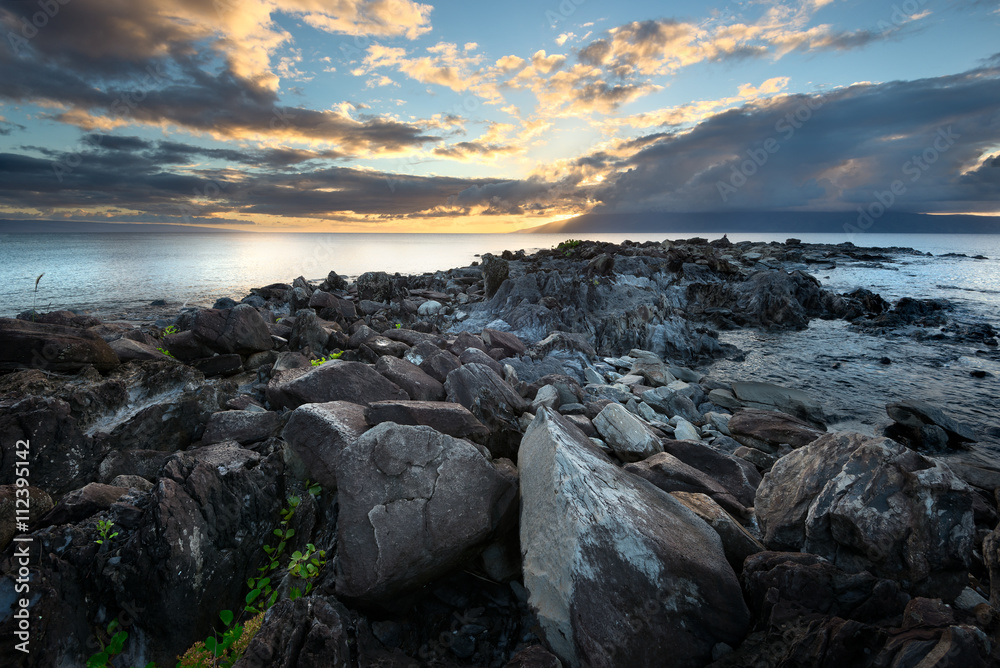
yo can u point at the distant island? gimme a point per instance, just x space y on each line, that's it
85 227
792 222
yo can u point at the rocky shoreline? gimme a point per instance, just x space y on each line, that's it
517 463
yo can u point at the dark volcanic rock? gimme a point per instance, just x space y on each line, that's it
411 378
492 401
755 428
619 572
317 433
240 426
61 457
375 286
511 345
198 542
82 503
495 272
38 504
447 418
737 476
26 344
413 504
923 426
672 475
305 633
240 329
335 380
871 504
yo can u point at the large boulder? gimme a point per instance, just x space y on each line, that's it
25 344
240 426
651 367
447 418
618 572
240 329
630 438
923 426
495 272
375 286
871 504
336 380
737 476
305 633
411 378
768 396
317 433
414 503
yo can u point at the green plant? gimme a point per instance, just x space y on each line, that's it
216 652
171 329
596 282
323 360
104 528
166 352
569 244
306 566
110 649
399 325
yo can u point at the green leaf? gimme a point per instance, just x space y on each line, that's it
113 625
211 644
98 660
226 616
252 596
294 593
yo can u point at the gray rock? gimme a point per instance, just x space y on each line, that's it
762 460
414 503
592 376
375 286
871 504
685 431
476 356
82 503
774 397
335 380
317 433
628 436
308 333
548 396
240 426
619 573
765 430
737 542
448 418
511 345
128 350
495 272
132 482
429 308
914 416
737 476
651 367
58 348
672 402
240 329
39 503
311 631
492 401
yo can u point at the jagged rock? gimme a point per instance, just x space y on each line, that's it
375 286
413 504
511 345
763 430
495 272
447 418
476 356
308 333
240 426
464 341
548 396
317 433
833 498
219 365
672 475
336 380
618 572
671 402
435 362
923 426
762 460
685 431
58 348
492 401
144 463
304 633
240 329
737 476
58 451
737 542
82 503
198 541
410 378
628 436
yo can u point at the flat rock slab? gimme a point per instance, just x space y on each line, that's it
240 426
414 503
317 433
775 397
25 344
751 426
672 475
619 573
737 476
915 414
335 380
447 418
737 542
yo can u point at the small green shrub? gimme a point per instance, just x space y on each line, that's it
166 352
171 329
399 325
569 244
323 360
104 528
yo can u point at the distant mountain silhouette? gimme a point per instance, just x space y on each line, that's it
82 227
791 222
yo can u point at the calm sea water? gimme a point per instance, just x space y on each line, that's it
114 272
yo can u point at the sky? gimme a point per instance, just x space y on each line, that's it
396 115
